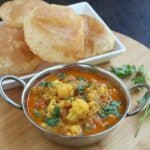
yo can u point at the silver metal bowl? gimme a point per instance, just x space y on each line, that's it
72 140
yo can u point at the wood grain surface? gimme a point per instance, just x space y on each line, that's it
16 132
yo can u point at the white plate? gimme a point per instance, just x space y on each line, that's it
83 8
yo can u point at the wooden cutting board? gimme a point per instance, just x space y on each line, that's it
16 132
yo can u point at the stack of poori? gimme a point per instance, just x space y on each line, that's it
33 30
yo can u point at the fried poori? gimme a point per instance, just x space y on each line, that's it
55 33
15 56
98 39
13 12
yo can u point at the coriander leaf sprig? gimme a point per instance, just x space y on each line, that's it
144 116
146 112
140 76
123 71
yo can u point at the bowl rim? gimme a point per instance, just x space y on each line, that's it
81 65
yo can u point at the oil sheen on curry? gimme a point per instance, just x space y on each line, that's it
75 102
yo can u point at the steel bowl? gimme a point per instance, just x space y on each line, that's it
73 140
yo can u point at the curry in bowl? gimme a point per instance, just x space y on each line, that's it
75 102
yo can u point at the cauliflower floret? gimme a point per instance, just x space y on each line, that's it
56 82
94 107
65 103
79 110
64 90
73 130
93 95
37 90
103 90
49 93
50 108
94 84
43 124
61 103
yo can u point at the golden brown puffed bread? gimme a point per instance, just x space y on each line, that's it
13 12
15 56
55 33
98 39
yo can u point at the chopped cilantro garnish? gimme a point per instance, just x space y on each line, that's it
80 88
55 119
56 111
46 84
52 121
110 109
